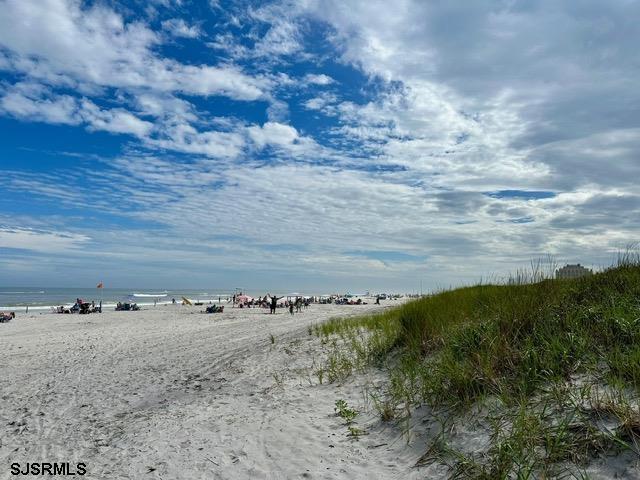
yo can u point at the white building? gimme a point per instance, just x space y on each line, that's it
573 271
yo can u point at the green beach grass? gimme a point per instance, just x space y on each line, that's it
551 368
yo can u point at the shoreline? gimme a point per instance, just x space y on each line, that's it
225 301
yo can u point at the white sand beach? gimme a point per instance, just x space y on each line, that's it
170 393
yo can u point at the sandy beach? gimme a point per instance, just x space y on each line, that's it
168 393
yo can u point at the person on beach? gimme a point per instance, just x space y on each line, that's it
291 308
274 304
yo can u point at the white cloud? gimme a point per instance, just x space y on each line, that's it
207 80
318 79
287 140
282 37
60 110
226 42
526 76
57 40
325 102
113 120
272 133
185 138
40 241
166 107
37 103
179 28
308 208
272 38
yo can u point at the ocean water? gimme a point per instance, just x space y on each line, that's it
19 298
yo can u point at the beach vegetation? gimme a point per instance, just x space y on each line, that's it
345 412
349 414
550 367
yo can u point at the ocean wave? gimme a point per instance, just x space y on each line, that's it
15 293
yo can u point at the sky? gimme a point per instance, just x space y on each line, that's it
314 145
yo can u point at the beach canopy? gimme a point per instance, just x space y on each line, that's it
243 298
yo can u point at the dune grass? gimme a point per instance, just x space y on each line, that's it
557 356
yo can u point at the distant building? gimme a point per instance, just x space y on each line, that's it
573 271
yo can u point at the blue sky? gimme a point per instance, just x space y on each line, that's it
314 144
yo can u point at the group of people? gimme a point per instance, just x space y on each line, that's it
351 301
127 306
272 302
214 309
293 304
7 316
81 307
298 303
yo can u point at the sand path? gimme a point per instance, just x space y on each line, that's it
171 393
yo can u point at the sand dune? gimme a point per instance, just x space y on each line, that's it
171 393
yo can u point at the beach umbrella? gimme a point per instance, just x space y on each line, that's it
243 298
